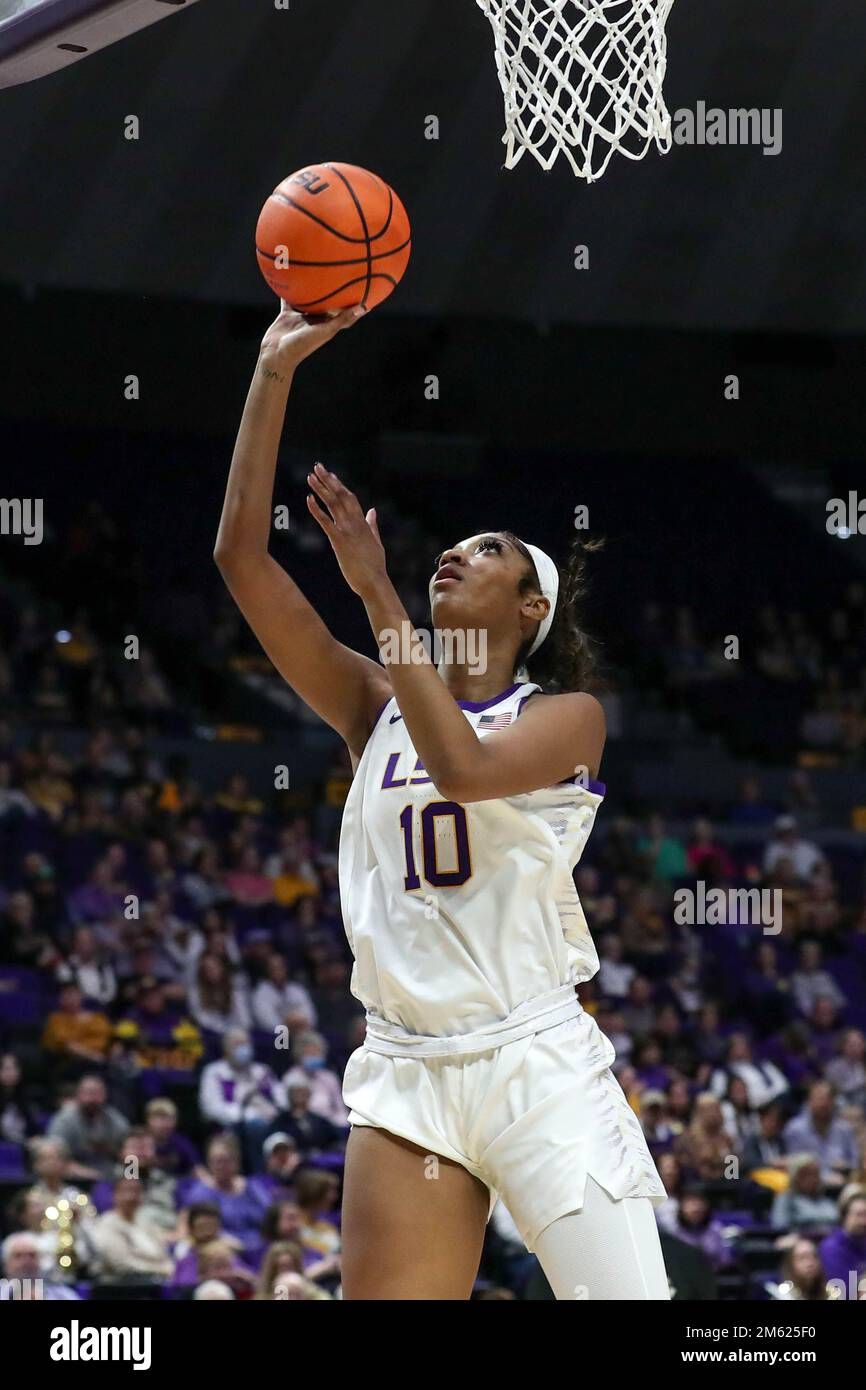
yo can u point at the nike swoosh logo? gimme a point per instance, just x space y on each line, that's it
394 718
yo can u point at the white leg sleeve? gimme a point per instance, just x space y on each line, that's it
609 1251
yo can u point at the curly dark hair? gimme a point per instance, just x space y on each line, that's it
568 659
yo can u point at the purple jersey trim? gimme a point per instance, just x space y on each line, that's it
475 705
597 788
379 715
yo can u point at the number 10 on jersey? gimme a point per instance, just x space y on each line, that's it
441 822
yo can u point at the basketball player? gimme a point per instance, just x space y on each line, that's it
474 794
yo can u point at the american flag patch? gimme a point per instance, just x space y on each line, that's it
494 721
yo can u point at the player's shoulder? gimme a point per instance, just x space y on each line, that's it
577 706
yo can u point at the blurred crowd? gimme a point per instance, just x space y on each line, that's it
175 1012
175 1016
814 660
65 653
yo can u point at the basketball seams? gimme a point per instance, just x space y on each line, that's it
357 260
356 200
290 202
360 279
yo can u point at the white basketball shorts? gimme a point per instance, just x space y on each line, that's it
532 1119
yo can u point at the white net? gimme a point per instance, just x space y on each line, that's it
582 78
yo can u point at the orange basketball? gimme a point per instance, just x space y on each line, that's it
332 236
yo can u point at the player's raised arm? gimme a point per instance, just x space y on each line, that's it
343 687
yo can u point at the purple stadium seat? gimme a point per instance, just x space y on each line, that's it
12 1165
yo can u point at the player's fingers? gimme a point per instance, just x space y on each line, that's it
373 523
342 497
320 515
349 316
333 482
320 488
339 498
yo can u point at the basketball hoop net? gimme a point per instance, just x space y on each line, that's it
582 78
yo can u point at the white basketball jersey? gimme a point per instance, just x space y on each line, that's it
456 915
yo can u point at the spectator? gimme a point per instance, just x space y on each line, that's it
173 1152
282 1158
281 1257
764 1147
326 1093
803 1207
811 982
22 1279
292 876
217 999
787 843
48 1160
638 1011
804 1278
819 1131
74 1034
23 940
19 1118
768 990
99 898
660 1130
317 1194
707 859
696 1225
246 883
222 1183
219 1260
280 1002
203 1225
664 854
204 886
129 1247
90 1129
615 974
706 1148
241 1093
843 1251
847 1072
738 1114
162 1038
311 1133
136 1158
87 968
764 1081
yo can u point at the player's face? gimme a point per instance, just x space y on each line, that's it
477 582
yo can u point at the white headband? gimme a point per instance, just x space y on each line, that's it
548 578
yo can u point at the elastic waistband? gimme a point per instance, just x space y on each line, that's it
532 1016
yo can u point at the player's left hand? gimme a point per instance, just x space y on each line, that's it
354 537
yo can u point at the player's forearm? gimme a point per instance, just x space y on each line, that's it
441 736
245 525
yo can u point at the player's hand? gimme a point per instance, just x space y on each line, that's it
354 537
293 336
